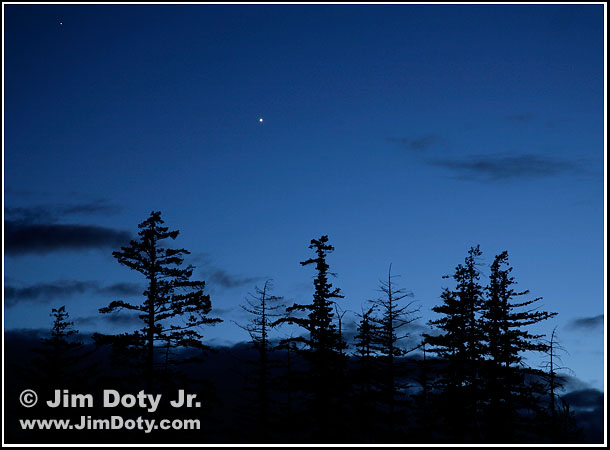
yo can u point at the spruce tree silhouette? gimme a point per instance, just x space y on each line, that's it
504 323
459 342
365 376
57 364
174 306
323 345
62 355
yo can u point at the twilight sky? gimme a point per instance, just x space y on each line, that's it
407 133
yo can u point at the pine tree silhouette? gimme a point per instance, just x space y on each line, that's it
459 343
323 345
62 355
365 376
174 307
504 323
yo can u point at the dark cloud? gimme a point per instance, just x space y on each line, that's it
51 214
505 168
22 237
25 334
587 323
588 407
217 277
418 144
221 277
46 292
117 318
572 383
585 398
225 311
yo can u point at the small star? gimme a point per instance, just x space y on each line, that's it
61 23
260 120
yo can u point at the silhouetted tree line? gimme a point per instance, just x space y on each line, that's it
464 380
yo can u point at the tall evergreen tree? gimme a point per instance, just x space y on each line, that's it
60 361
365 375
459 343
323 343
365 349
61 354
504 323
174 307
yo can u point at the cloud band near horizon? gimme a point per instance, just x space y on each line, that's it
42 238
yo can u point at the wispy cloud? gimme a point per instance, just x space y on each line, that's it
225 311
52 213
417 144
117 318
587 323
220 277
46 292
40 238
506 167
494 168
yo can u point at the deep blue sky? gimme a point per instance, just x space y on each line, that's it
407 133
